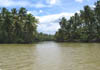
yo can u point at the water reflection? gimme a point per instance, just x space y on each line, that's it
48 56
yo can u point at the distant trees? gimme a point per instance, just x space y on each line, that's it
83 26
44 37
17 26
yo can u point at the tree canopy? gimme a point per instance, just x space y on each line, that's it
83 26
16 26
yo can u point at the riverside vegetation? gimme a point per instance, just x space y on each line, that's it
83 26
16 26
19 27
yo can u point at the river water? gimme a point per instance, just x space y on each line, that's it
50 56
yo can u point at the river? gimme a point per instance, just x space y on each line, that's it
50 56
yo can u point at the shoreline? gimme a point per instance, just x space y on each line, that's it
57 42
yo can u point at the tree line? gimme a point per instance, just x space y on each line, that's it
44 37
83 26
16 26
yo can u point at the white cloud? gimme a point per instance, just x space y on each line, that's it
50 23
9 3
79 1
21 3
51 1
54 17
40 5
33 12
28 3
92 6
78 12
41 11
49 28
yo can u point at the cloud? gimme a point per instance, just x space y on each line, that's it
50 23
34 12
41 5
55 17
49 28
8 3
51 1
21 3
92 6
40 11
79 1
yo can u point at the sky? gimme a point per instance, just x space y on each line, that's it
48 12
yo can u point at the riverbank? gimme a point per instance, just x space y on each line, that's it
79 41
65 41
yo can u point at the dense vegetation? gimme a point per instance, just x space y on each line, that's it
83 26
17 26
44 37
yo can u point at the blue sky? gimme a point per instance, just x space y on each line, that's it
48 11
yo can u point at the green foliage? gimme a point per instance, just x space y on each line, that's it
17 26
83 26
44 37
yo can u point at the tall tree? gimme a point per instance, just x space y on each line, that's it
97 13
29 27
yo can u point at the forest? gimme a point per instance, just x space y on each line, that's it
17 26
83 26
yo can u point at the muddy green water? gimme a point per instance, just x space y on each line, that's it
50 56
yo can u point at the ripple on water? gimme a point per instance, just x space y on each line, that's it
50 56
